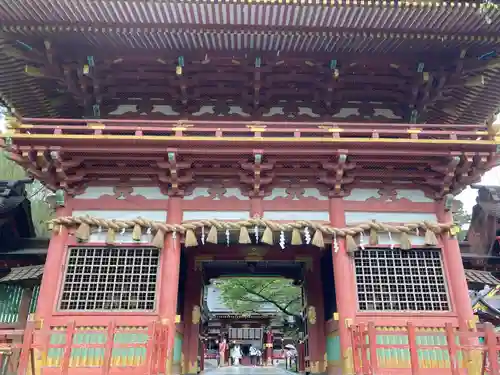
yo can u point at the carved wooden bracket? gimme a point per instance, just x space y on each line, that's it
174 176
253 174
335 177
445 184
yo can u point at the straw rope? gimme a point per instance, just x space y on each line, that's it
84 224
117 225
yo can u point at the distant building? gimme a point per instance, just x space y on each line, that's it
245 329
481 254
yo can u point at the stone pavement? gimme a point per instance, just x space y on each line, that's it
247 370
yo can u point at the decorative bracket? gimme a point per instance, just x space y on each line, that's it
335 177
449 171
174 178
253 175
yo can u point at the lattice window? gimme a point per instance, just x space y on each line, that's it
399 280
103 279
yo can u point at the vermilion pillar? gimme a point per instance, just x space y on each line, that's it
301 357
315 317
170 263
49 287
192 316
269 348
456 275
203 353
345 287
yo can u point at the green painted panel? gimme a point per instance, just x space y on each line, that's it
34 299
333 348
177 348
428 358
89 357
10 298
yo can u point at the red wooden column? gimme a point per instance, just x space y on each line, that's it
456 276
169 281
315 317
49 288
301 357
345 287
192 316
203 353
269 348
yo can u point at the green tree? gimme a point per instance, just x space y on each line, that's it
461 218
250 295
35 192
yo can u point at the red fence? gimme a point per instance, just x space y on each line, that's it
477 350
32 354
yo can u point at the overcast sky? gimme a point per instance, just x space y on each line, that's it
468 196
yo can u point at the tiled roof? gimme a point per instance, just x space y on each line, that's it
482 277
18 274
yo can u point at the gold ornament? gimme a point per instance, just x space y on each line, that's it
196 314
311 315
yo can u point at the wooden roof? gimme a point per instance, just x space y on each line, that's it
449 49
441 16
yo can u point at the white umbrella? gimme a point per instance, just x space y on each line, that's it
290 347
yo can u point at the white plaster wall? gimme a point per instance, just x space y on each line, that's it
297 215
353 218
412 195
100 237
148 192
220 215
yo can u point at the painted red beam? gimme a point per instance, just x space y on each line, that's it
224 173
96 149
215 145
143 123
249 131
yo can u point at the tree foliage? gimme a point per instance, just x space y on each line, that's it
461 218
252 295
41 212
35 192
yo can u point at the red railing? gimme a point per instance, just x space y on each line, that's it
34 351
477 350
248 129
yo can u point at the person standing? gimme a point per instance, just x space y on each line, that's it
259 357
222 352
236 354
253 355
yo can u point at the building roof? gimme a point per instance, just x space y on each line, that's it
481 277
436 33
21 274
482 232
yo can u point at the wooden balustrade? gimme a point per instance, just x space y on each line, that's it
418 350
106 355
245 129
